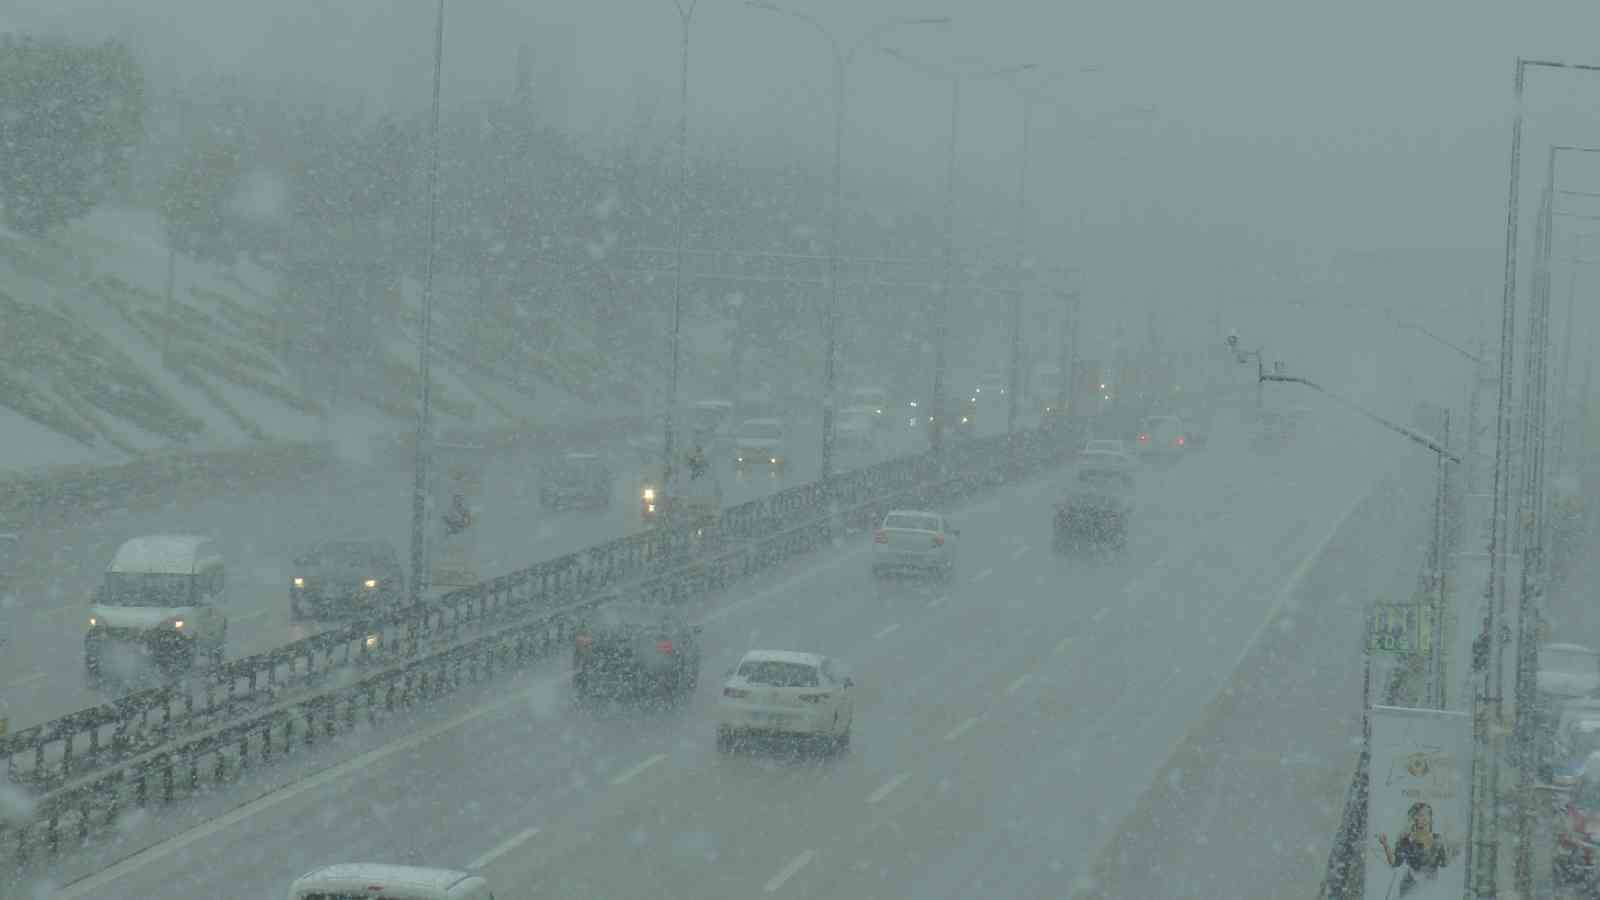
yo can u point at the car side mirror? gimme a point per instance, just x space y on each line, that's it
849 682
699 629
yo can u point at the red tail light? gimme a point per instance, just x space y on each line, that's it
735 693
880 536
1144 437
938 540
584 642
664 646
1179 442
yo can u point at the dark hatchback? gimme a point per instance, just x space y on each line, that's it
346 579
629 650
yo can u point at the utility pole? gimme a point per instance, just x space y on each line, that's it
685 18
424 448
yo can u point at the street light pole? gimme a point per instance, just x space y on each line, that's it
942 313
841 64
685 18
419 487
1022 262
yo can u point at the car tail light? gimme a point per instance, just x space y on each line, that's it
585 642
938 540
813 698
735 693
880 536
664 646
1179 442
1144 437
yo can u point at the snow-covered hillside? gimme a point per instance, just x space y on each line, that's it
99 368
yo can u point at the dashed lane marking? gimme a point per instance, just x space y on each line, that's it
789 870
638 770
886 631
24 681
1017 685
961 729
504 847
1020 551
885 788
1101 615
982 575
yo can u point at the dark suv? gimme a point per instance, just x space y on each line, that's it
629 650
346 579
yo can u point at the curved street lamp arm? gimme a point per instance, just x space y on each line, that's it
1410 433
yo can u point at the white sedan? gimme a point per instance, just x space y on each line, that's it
783 693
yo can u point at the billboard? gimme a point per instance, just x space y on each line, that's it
1417 803
457 486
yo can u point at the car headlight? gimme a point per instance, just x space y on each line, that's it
371 583
299 582
371 641
93 621
649 493
177 624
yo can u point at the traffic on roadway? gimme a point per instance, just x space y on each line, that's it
260 538
846 736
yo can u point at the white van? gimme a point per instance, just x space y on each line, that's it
380 881
162 595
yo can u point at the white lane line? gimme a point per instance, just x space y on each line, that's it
1018 684
961 729
638 770
24 681
94 885
788 871
886 631
884 789
982 575
1101 615
502 848
1062 645
1018 553
785 585
936 602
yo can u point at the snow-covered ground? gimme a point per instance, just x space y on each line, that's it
106 371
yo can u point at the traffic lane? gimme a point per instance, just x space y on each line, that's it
552 756
943 690
1065 747
1249 803
259 536
449 767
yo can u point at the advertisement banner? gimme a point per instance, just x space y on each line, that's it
457 486
1417 803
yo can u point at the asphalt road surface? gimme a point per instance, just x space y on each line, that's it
1006 723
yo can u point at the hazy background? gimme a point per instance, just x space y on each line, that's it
1239 149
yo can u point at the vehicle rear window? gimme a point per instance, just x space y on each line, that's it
912 522
774 673
626 615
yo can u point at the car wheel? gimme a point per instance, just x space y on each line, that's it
841 743
724 739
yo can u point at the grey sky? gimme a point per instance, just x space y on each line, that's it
1314 126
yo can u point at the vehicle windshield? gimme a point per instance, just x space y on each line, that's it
912 522
631 616
776 673
761 430
343 554
150 590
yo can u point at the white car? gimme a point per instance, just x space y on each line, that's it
914 541
162 596
381 881
786 694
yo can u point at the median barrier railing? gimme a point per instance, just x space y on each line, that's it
533 610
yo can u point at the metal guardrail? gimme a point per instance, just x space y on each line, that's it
1346 875
49 754
533 611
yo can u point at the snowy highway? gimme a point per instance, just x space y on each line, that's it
41 671
1005 723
